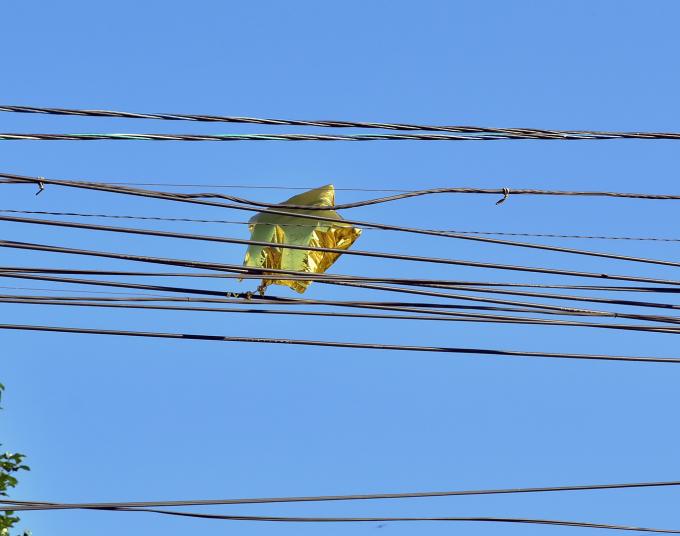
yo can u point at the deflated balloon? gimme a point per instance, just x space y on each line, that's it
297 231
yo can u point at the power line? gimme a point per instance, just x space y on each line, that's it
281 519
443 283
12 136
414 307
509 133
270 271
78 291
338 344
41 505
506 192
233 222
455 317
535 308
181 198
467 288
253 186
335 314
532 307
363 253
327 281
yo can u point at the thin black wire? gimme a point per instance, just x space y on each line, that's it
418 282
78 291
532 133
339 344
432 191
253 186
13 136
281 519
450 310
173 197
457 318
431 308
42 505
362 253
417 307
534 306
238 269
232 222
335 314
16 274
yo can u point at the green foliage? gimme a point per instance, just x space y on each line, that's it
10 464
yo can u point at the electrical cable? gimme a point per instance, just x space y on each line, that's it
238 269
281 519
457 318
466 288
232 222
173 197
533 305
508 132
110 136
405 281
355 497
363 253
339 344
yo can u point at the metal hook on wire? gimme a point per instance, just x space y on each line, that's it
41 186
506 194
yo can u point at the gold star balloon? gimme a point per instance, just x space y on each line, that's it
297 231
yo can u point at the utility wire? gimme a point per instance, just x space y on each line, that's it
297 519
174 197
440 309
12 136
334 314
270 271
328 281
41 505
232 222
506 192
280 519
254 186
338 344
417 307
508 132
457 318
375 254
493 290
517 307
431 308
407 281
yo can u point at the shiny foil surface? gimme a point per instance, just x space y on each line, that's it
299 232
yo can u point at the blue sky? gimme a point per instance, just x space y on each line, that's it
126 419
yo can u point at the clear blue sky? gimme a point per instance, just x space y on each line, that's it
126 419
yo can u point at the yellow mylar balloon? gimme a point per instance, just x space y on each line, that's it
299 232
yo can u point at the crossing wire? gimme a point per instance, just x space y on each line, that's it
17 274
41 505
406 281
329 280
384 255
463 317
179 198
237 268
499 133
478 519
233 222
